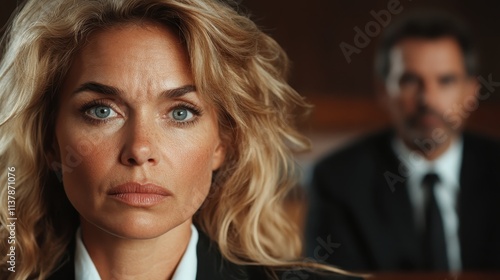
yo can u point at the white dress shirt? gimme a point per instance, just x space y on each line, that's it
186 270
447 167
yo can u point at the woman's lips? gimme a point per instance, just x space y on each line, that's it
135 194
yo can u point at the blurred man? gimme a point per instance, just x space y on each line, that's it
423 195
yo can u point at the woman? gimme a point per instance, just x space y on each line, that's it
150 140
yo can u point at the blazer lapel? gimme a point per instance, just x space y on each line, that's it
66 268
399 242
212 266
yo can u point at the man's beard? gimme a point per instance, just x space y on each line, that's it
417 130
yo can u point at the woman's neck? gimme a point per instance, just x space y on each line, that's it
120 258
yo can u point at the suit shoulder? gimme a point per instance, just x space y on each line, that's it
212 265
367 148
481 143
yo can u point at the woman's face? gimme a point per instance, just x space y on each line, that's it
137 143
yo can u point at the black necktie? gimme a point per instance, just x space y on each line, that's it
434 246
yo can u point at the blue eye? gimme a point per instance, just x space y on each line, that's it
101 112
182 114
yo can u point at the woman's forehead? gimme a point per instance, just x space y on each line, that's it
132 57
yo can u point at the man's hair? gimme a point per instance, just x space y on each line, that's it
430 25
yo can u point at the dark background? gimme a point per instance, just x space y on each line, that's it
343 93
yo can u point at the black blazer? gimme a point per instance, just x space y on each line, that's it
360 203
211 266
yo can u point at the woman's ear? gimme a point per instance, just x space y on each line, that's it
218 156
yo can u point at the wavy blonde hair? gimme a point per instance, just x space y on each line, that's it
237 67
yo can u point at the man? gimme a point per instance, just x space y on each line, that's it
424 195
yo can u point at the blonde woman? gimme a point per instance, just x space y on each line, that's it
148 140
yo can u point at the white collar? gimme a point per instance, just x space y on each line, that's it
188 266
186 269
446 166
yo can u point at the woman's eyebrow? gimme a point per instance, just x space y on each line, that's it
97 88
110 90
178 92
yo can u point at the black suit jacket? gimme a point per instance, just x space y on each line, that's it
359 200
211 266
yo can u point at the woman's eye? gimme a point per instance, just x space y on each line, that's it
101 112
182 114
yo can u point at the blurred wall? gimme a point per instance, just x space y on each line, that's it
342 91
6 8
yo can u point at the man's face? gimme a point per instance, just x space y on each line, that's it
426 81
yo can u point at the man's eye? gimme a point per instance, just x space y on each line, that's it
447 80
101 112
182 114
408 80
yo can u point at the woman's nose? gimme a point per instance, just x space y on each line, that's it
139 147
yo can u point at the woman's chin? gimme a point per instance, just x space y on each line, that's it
135 227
